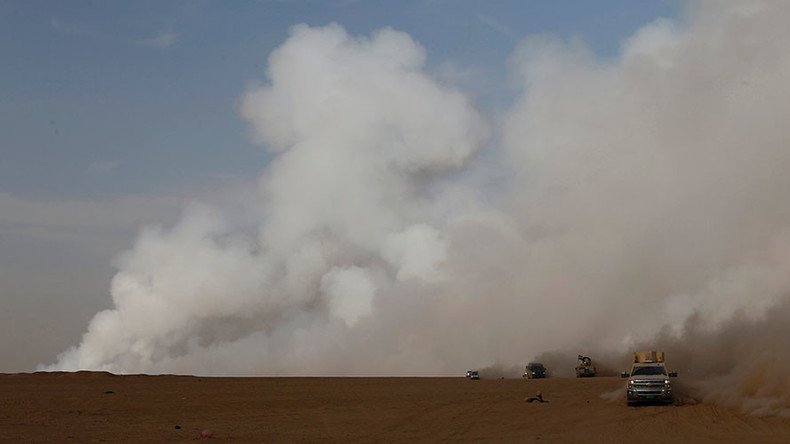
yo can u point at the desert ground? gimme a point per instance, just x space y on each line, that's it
96 407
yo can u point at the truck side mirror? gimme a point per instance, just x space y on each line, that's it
624 374
673 374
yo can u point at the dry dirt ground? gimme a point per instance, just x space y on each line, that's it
93 407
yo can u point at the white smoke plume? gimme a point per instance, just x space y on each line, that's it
637 200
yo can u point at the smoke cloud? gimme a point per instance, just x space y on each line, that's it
636 202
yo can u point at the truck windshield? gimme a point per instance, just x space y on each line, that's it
649 371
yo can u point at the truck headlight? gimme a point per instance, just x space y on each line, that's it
666 382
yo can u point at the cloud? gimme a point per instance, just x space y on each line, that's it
163 40
497 26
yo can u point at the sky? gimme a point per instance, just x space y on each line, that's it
114 115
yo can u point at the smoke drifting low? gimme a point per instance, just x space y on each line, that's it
636 201
742 363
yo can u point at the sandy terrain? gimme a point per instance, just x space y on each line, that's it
91 407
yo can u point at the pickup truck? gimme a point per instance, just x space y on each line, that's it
648 380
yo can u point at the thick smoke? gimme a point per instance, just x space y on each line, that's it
638 201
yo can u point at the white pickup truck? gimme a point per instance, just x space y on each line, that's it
649 379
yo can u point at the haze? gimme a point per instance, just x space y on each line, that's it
417 206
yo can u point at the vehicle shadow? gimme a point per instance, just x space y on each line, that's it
649 403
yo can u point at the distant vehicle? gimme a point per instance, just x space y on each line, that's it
473 375
534 370
648 379
585 369
468 373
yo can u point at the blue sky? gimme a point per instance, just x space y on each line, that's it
112 111
107 98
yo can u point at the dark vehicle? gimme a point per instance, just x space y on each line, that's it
473 375
534 370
